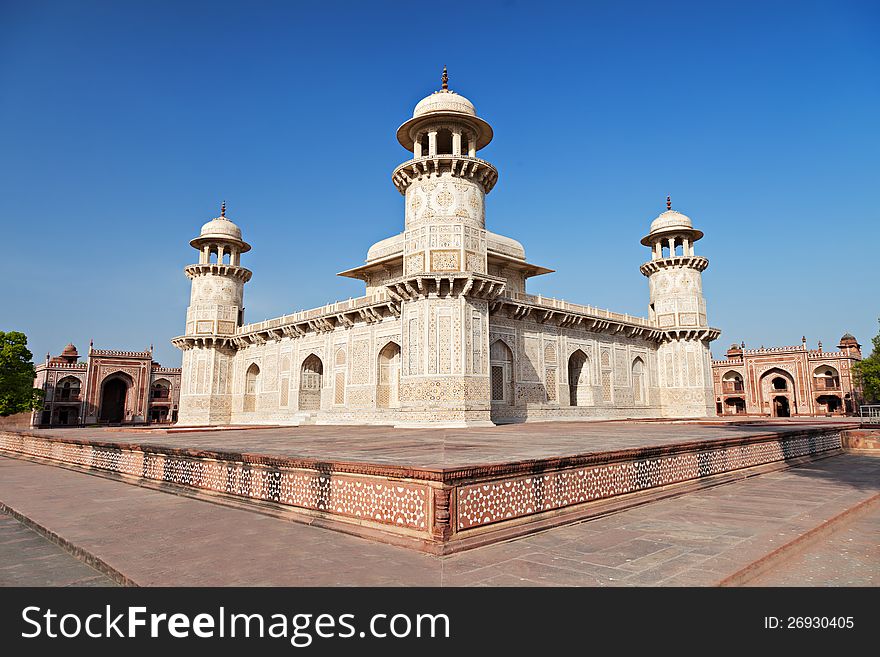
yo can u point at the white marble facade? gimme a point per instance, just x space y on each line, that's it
446 334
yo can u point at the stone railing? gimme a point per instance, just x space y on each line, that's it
566 306
330 309
67 366
870 413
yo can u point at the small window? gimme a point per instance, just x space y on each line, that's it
497 383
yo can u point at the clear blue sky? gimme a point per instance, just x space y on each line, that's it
124 124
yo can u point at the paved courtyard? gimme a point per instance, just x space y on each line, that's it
29 559
849 556
162 539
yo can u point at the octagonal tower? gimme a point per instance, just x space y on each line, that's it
678 308
215 311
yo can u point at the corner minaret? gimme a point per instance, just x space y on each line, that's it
850 346
445 289
678 308
215 311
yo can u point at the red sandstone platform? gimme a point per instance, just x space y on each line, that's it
717 534
437 490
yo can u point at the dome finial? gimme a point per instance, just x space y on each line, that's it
444 80
223 209
668 202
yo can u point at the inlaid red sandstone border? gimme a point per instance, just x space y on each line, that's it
486 503
396 503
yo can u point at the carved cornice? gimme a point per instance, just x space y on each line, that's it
460 166
705 334
184 342
676 262
446 284
214 269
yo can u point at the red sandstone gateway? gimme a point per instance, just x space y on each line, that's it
788 381
111 387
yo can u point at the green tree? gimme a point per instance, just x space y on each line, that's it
868 372
17 372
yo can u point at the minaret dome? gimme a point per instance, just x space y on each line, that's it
444 107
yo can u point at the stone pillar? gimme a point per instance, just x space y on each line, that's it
686 247
456 142
671 242
441 528
205 255
417 147
432 143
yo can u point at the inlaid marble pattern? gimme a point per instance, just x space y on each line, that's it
401 504
496 501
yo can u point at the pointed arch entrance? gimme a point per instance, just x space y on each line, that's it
311 379
778 392
640 395
114 394
388 375
580 392
251 386
67 389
